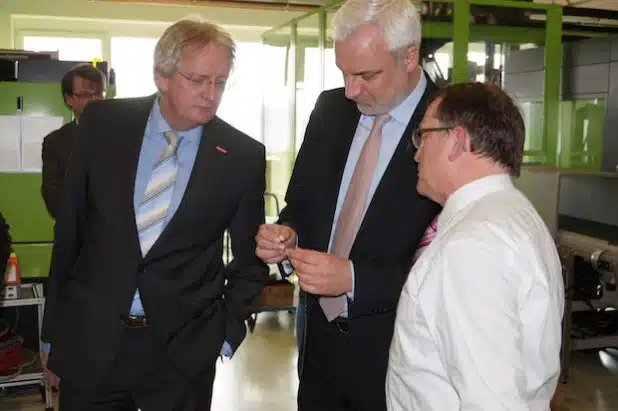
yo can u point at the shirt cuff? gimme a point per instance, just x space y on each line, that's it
45 346
226 350
351 293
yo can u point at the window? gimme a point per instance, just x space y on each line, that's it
242 99
132 61
68 48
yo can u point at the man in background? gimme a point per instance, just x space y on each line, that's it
141 304
79 86
356 225
479 320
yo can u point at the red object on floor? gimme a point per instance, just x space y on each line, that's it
10 351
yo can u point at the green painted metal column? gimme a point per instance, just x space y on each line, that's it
322 47
292 80
461 38
553 58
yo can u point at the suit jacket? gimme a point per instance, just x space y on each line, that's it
57 148
193 301
389 233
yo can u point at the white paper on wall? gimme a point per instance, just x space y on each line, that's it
10 132
33 130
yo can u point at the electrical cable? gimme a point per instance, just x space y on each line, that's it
16 370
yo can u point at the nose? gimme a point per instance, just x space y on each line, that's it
417 154
352 87
210 90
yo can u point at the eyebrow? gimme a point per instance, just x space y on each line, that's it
360 73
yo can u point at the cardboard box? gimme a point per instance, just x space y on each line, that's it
276 294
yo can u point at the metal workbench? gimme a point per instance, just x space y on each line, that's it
30 295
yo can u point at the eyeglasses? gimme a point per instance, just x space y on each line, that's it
200 81
89 94
417 137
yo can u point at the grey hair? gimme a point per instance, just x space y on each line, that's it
399 21
188 34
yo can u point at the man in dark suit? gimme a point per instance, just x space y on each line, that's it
353 220
80 85
141 304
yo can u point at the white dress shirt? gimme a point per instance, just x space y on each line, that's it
478 324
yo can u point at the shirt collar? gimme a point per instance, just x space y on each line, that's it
157 125
404 111
472 192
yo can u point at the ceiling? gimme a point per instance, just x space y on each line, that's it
305 5
590 4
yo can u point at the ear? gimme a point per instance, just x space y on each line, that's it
411 58
417 155
69 100
462 143
161 81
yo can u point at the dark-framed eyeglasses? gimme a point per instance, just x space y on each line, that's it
89 94
417 136
200 81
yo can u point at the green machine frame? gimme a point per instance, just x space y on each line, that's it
462 33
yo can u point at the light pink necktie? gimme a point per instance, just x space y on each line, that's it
353 207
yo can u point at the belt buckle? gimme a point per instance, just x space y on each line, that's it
136 321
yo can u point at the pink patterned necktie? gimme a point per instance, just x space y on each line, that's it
353 207
428 237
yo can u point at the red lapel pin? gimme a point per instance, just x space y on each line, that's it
221 149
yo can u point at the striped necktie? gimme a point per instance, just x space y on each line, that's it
150 217
157 198
428 237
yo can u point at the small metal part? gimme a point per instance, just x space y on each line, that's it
595 259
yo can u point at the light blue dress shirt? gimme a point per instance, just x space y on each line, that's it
392 133
153 145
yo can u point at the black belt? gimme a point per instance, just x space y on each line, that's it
136 321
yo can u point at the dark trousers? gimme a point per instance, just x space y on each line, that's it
331 380
141 376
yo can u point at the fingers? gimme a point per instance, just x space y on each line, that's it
272 241
301 257
51 379
268 234
310 265
269 256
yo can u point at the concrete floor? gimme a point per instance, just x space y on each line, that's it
262 376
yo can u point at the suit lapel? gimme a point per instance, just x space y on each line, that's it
343 134
126 160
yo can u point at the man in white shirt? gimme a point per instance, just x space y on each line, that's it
478 321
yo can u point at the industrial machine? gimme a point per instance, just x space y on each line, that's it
580 210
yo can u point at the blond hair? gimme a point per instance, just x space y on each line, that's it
188 34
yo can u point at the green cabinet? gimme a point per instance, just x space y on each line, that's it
21 202
39 99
